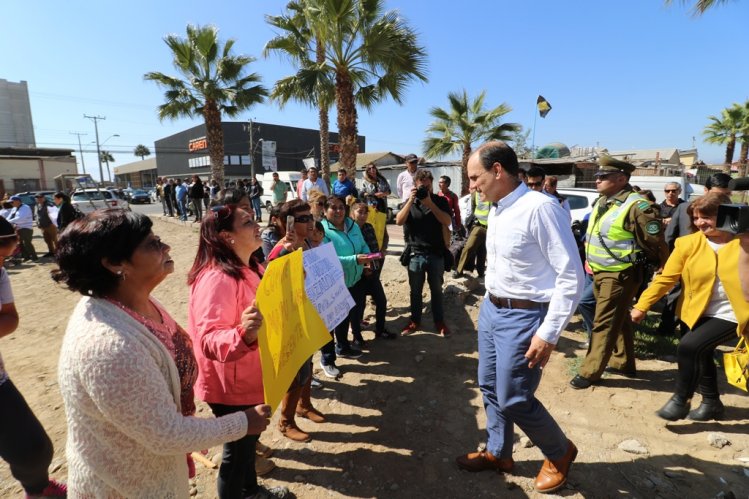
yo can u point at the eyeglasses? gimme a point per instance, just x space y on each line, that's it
534 184
670 190
303 219
337 207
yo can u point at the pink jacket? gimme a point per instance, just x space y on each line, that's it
229 370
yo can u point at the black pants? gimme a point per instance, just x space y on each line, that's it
354 317
27 247
695 357
373 288
24 444
236 475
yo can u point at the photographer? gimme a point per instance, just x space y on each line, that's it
423 215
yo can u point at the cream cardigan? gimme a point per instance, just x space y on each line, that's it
126 434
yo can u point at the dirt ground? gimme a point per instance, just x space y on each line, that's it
399 415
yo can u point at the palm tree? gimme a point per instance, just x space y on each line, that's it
463 124
302 42
725 130
107 157
743 138
214 84
700 6
371 54
142 151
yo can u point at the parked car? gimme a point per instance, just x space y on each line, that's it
88 200
579 200
139 196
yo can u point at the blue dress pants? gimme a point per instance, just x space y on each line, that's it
508 385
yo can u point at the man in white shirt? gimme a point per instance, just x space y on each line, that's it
533 280
22 219
405 181
313 182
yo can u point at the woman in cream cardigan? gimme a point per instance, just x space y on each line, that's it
711 304
126 369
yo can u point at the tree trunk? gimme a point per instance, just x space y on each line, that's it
324 121
464 169
215 137
743 157
344 94
730 148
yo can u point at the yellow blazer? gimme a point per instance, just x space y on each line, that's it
695 263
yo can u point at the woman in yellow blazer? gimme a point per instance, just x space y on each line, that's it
711 304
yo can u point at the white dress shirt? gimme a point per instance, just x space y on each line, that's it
318 184
532 255
22 217
404 183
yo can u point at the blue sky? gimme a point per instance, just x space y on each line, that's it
621 75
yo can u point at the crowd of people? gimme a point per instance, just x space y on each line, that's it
130 374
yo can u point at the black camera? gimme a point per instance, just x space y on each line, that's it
733 218
422 192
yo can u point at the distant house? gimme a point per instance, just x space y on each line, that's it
33 169
137 174
378 158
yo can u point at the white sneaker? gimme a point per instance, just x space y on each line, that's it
330 371
316 383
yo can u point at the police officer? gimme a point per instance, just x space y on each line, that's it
476 244
624 233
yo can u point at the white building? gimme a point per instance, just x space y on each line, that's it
16 125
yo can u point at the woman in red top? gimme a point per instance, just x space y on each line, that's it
223 323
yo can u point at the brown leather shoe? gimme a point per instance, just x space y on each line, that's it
262 450
553 474
312 414
484 461
291 430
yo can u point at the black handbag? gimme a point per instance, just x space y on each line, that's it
405 257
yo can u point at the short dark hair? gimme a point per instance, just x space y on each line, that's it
329 199
291 208
719 180
423 174
61 195
8 235
446 180
112 234
498 152
232 196
536 171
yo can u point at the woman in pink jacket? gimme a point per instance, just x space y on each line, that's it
223 323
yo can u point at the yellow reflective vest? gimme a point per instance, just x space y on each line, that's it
609 247
480 210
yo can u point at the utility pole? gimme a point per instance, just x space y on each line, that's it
96 119
252 153
80 149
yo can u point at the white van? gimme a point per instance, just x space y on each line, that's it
290 178
656 185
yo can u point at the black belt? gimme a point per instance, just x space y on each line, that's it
515 303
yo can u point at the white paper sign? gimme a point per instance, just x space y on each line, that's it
324 284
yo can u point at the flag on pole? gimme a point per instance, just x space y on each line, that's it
543 106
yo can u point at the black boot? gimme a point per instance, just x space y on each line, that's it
708 409
676 408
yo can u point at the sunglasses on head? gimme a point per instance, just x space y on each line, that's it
220 212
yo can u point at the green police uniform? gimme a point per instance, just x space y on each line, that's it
476 244
624 232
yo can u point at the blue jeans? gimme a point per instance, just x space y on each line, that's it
258 207
236 475
508 386
182 206
431 268
587 305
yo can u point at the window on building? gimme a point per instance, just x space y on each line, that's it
26 184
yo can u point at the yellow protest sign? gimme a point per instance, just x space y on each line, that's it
292 329
379 222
